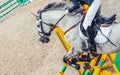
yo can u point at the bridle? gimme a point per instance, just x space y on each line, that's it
42 33
45 35
41 26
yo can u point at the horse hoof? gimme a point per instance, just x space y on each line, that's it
77 66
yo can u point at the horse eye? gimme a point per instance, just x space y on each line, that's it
38 25
37 18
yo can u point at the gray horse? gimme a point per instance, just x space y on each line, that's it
52 15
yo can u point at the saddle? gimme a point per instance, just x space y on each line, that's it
99 31
105 25
105 22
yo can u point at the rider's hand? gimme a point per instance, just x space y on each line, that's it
66 11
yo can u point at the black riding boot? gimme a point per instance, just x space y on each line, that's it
91 41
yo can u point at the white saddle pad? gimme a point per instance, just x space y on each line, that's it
99 37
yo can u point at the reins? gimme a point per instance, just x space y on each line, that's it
72 27
60 19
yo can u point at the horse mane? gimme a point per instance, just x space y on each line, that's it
58 6
55 6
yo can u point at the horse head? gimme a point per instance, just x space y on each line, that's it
45 23
44 28
51 16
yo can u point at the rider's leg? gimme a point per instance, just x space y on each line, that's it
88 20
91 13
75 5
90 2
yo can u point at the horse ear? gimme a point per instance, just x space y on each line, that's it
34 15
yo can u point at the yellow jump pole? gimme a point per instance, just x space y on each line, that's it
62 70
114 58
101 62
92 64
60 35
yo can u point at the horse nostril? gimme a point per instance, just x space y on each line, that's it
41 39
47 40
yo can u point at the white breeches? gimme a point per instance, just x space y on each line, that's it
91 13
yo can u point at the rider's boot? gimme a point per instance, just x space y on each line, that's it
91 41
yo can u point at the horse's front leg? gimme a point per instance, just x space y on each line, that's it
73 56
75 53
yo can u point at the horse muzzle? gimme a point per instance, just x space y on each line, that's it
44 39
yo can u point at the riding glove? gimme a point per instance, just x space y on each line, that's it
67 12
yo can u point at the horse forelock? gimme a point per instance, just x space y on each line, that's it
54 6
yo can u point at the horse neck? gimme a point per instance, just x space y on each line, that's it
65 23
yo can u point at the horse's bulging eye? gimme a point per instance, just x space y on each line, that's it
38 25
37 18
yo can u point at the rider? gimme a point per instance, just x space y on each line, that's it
91 13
